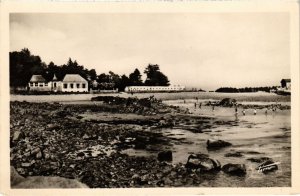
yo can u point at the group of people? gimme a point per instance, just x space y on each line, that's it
199 105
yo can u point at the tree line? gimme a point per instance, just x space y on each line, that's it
245 90
23 65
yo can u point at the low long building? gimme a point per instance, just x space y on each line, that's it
70 83
173 88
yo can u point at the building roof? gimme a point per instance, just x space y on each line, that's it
37 78
73 78
54 78
286 80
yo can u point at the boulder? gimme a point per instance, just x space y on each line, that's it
18 181
227 102
234 169
267 166
217 144
165 156
202 162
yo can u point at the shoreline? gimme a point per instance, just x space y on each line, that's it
247 97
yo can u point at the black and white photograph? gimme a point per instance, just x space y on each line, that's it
111 100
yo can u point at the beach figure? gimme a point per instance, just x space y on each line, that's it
200 104
213 108
236 110
244 112
195 105
183 100
197 99
187 111
254 111
266 112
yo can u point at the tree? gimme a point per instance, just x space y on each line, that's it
93 74
22 66
155 77
135 78
125 81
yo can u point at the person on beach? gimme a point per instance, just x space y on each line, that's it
254 111
183 100
244 112
197 99
236 110
213 107
266 112
195 105
200 104
187 110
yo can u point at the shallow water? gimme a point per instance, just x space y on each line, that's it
254 136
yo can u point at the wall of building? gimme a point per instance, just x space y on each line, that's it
154 88
73 87
288 85
56 86
39 86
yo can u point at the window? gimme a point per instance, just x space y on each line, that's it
78 85
31 84
36 84
54 84
83 85
71 85
46 84
65 85
41 85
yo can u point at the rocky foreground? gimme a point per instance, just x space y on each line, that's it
85 142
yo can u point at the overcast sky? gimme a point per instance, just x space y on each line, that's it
206 50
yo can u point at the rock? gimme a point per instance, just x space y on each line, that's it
18 181
80 154
39 155
167 181
165 156
234 169
227 102
35 151
259 159
18 135
51 127
139 145
233 154
217 144
202 162
135 177
267 166
47 156
25 164
85 136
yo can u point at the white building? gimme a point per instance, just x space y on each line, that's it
74 83
56 85
172 88
70 83
38 83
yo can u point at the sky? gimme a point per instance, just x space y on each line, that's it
203 50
